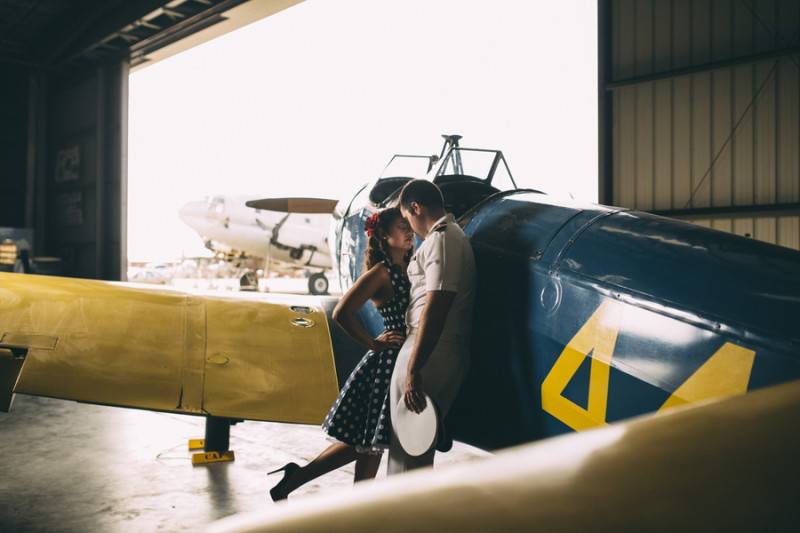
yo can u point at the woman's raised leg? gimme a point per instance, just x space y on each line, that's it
334 456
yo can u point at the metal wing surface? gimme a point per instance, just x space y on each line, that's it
255 357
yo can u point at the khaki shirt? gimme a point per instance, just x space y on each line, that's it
444 262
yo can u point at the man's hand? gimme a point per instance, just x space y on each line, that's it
414 397
388 340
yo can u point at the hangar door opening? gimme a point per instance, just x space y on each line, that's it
314 100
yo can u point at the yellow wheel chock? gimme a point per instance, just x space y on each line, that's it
204 458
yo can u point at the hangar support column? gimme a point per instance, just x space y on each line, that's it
86 183
605 110
35 215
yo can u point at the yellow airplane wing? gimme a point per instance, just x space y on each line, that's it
256 358
726 465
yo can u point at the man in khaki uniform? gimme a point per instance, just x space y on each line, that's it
435 356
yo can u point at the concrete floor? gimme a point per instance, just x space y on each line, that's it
67 467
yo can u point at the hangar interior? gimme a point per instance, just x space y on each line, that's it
699 107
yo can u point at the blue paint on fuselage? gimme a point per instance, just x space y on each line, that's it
545 266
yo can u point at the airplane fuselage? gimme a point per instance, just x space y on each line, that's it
588 314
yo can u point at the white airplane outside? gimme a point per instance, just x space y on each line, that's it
229 227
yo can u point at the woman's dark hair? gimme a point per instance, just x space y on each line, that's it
423 192
377 247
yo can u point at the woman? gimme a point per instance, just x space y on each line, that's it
358 421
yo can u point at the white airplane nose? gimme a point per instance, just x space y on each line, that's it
192 211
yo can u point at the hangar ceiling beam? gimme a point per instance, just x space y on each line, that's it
705 67
734 211
113 18
180 30
174 13
53 35
109 28
63 33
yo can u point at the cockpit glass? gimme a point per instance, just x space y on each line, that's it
486 165
468 163
406 166
502 179
216 203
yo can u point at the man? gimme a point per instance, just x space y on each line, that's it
435 356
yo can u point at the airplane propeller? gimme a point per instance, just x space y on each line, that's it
294 205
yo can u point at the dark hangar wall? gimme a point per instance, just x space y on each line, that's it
702 112
63 113
85 169
62 141
13 144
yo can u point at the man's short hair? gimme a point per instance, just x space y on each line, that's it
424 192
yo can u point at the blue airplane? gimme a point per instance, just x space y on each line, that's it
587 314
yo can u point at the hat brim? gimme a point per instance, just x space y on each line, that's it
416 432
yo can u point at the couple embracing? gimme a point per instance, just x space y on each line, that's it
425 298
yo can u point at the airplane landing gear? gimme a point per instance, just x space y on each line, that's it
216 443
318 284
218 434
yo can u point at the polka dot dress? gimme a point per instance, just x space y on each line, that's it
360 415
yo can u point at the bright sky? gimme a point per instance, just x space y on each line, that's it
314 100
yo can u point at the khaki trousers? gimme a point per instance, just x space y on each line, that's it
442 376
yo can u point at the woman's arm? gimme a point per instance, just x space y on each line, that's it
367 286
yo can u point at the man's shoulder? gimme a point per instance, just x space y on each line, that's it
454 233
441 227
445 234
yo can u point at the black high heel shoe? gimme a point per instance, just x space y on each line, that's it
288 469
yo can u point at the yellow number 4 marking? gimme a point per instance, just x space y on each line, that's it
726 373
598 337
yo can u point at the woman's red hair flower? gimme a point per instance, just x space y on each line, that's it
371 224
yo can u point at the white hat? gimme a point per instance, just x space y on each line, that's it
416 432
